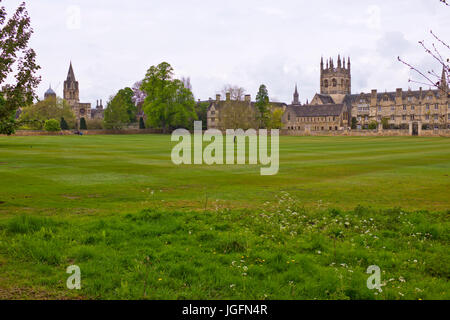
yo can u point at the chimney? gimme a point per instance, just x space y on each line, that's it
228 96
248 98
399 95
373 98
217 97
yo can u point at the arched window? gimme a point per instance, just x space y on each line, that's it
325 83
289 117
334 82
342 82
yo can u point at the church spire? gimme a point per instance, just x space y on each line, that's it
71 74
296 95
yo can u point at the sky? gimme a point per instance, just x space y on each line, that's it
112 43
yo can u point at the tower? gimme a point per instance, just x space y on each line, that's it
71 90
335 80
296 101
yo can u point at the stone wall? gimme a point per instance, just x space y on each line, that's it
22 133
367 133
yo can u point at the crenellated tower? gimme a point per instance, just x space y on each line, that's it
335 79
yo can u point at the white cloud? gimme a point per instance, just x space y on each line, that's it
112 43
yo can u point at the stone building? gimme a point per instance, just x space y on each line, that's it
98 112
416 110
234 114
72 96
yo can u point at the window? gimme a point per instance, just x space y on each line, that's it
436 117
409 98
392 108
392 117
325 83
404 118
289 117
379 118
404 107
427 117
427 106
436 107
413 107
412 117
379 109
213 119
213 113
334 82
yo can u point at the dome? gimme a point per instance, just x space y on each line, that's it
49 93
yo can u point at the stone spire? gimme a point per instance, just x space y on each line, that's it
296 96
71 74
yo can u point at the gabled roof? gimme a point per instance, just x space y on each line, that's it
321 110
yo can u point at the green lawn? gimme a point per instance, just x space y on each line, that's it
141 227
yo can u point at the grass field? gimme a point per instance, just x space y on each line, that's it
140 227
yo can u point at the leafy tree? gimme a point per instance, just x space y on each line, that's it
63 124
237 115
262 104
52 125
385 123
373 125
116 113
275 119
141 123
354 123
17 64
169 104
201 109
34 116
128 96
83 125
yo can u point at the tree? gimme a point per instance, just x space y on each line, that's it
138 96
127 95
236 93
116 113
83 125
141 123
238 115
169 104
275 119
201 109
63 124
34 116
439 52
354 123
52 125
262 104
373 125
18 64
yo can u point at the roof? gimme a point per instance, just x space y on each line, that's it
50 92
323 110
326 99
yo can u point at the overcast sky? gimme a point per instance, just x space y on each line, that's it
247 42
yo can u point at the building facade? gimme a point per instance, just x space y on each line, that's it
336 108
